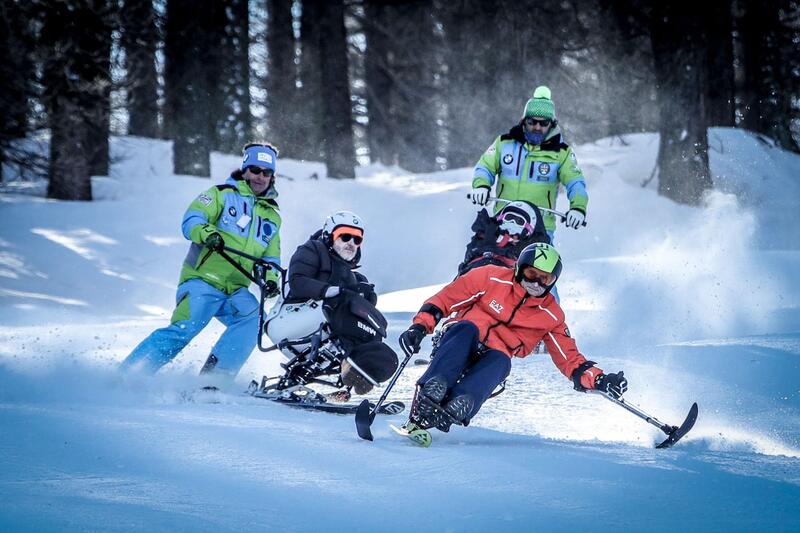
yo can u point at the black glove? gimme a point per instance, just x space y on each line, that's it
215 242
613 384
271 289
411 338
365 289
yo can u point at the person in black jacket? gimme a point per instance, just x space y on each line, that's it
498 240
325 265
324 287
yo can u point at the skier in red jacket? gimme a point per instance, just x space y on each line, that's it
500 313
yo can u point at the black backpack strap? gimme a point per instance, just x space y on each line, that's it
578 372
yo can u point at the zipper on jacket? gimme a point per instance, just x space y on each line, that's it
507 322
519 157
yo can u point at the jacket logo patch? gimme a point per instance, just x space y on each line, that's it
496 306
232 211
508 159
544 168
203 199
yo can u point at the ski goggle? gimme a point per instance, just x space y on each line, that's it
517 220
544 122
534 275
258 171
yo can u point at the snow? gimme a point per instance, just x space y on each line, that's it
695 304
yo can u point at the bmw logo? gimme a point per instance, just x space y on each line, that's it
544 168
507 159
232 211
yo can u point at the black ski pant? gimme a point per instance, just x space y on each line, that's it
460 355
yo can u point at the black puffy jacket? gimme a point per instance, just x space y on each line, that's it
315 267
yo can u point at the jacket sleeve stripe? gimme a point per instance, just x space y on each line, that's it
548 312
502 281
552 338
476 295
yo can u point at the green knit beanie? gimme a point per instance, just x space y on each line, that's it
540 105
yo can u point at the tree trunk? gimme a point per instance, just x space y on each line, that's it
73 94
283 116
381 130
192 52
679 50
336 119
140 40
309 124
718 21
414 92
233 77
97 37
768 77
16 74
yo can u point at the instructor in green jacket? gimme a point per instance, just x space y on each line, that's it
241 214
530 163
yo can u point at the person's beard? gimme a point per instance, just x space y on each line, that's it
345 250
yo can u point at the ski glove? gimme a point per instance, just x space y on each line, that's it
613 384
575 219
271 288
365 289
480 195
411 339
215 242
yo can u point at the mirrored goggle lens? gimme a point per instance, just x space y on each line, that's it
532 275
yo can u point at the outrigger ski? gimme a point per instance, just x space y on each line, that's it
674 433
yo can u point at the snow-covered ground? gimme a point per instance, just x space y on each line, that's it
695 304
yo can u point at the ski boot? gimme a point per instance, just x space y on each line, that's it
455 412
425 409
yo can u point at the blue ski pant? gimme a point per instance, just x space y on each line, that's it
458 356
197 303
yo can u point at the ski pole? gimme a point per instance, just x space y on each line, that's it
559 214
674 433
365 416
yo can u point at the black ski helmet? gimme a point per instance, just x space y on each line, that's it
542 256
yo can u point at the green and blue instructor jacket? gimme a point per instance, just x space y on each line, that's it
247 222
532 173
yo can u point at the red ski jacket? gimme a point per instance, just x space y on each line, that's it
508 318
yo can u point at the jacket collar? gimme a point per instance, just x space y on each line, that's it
243 186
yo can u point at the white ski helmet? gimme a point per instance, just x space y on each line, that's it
518 217
341 219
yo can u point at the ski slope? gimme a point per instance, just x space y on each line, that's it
694 304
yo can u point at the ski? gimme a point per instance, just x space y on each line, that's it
388 408
677 432
420 437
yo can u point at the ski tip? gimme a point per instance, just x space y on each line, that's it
364 420
679 432
420 437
